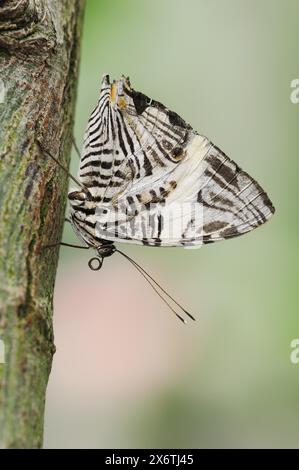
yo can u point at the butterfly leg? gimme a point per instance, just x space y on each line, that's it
43 150
66 244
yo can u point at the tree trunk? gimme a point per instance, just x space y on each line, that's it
39 55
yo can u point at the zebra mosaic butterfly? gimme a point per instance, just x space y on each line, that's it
147 177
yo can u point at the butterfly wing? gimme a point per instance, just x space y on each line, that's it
158 182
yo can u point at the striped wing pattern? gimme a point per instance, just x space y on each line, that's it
152 179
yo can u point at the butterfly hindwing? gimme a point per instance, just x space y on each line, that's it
205 199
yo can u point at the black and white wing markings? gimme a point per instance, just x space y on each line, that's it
143 164
214 201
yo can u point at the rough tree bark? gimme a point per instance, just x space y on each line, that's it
39 54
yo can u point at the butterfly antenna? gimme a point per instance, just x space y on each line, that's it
153 287
154 283
60 165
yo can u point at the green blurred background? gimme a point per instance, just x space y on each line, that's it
126 374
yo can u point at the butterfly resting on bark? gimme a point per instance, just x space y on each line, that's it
146 177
